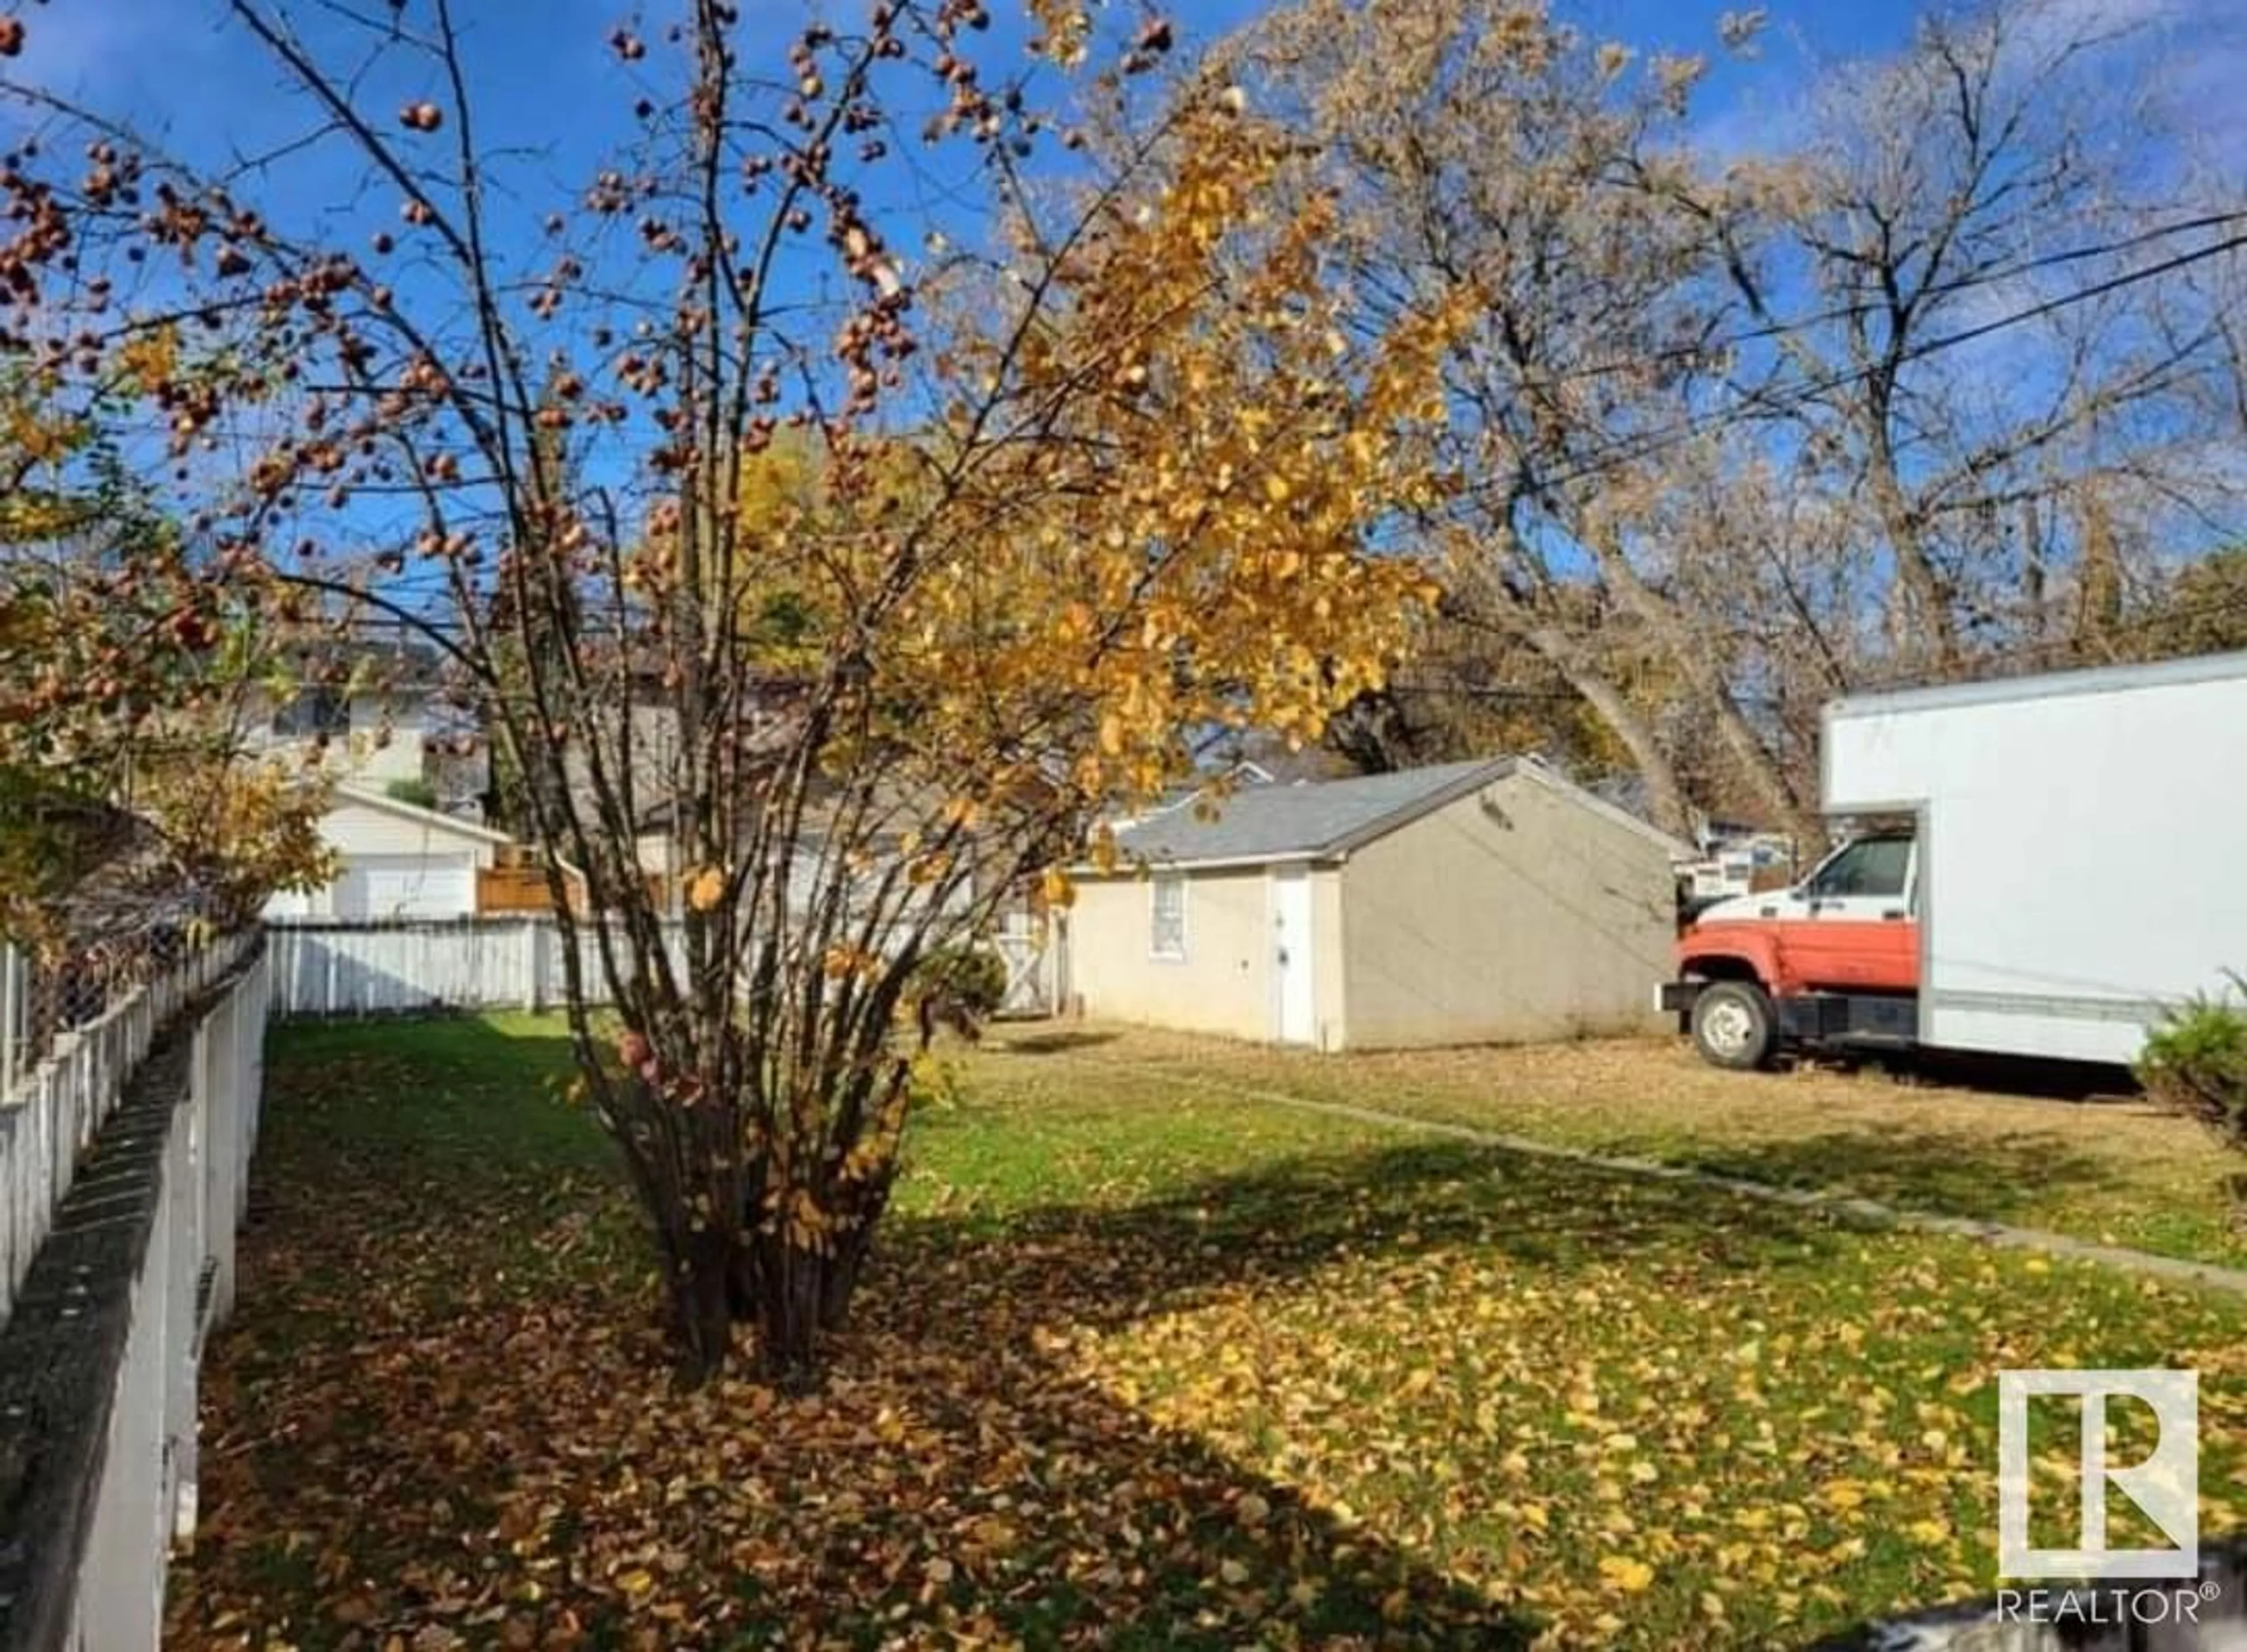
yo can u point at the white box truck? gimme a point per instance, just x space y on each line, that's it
2069 860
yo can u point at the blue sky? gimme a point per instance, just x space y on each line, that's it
547 81
176 58
551 105
551 108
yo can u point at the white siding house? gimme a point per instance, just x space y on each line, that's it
372 740
397 861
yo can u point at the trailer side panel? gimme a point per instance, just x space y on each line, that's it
2083 847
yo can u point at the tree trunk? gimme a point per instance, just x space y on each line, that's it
2035 585
1665 794
792 1285
1567 654
701 1264
849 1252
1927 593
1698 660
2099 609
701 1269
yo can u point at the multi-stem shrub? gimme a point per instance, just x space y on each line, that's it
2195 1063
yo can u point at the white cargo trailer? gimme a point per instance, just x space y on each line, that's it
2082 846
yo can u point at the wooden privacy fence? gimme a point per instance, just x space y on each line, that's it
502 889
124 1163
325 968
512 889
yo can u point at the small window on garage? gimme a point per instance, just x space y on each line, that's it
1166 930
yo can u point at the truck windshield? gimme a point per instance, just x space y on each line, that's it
1871 866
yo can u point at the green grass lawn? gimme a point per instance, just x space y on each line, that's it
2111 1169
1142 1365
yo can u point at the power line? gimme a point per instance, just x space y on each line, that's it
1937 290
1626 450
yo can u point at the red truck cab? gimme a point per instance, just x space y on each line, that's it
1834 960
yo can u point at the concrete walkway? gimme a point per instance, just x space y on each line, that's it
1848 1207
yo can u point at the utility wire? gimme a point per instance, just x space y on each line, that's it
1627 450
1937 290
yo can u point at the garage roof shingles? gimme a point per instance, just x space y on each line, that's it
1311 821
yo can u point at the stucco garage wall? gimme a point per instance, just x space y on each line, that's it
1223 985
1515 914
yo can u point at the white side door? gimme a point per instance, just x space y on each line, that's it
1295 1009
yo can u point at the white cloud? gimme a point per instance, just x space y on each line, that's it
2165 75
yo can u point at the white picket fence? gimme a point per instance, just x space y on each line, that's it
325 969
145 1496
49 1114
16 1054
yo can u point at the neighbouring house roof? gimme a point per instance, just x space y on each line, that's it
1325 820
387 660
421 816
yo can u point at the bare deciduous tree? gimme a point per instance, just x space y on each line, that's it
1491 153
1924 272
1903 394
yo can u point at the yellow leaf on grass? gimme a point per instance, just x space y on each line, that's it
1625 1573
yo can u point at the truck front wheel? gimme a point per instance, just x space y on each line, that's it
1734 1025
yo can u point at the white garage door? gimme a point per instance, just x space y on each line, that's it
407 886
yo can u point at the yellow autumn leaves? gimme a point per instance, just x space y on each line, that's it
1185 543
1631 1576
1145 512
1627 1446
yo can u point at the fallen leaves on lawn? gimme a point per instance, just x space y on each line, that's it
1388 1396
1623 1414
420 1437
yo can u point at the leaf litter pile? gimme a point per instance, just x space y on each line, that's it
1139 1368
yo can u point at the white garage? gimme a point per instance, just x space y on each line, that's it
433 886
398 860
1474 903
